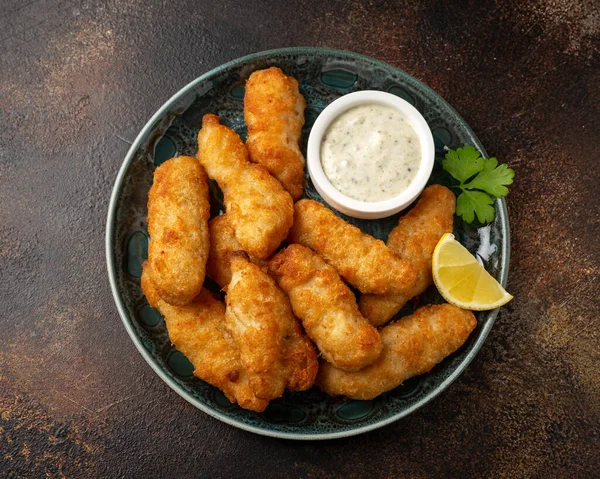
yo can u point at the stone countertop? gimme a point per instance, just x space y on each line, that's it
79 79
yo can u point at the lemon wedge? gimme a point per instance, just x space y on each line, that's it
462 281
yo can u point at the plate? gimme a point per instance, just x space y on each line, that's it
324 75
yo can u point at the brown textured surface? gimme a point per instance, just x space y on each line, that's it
78 81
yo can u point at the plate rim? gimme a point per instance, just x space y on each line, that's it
110 258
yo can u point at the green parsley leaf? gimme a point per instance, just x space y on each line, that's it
488 180
489 164
471 203
493 181
463 163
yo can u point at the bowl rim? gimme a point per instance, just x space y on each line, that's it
343 202
501 212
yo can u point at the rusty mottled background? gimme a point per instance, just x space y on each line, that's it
78 80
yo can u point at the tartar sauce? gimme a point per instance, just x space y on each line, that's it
371 153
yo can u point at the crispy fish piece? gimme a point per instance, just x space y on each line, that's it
300 355
414 239
327 308
365 262
413 345
196 330
222 245
178 212
260 211
260 320
274 113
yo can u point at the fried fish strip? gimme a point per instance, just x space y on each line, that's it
414 239
413 345
222 245
178 212
327 308
365 262
274 113
196 330
259 209
260 320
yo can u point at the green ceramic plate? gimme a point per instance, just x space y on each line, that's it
324 75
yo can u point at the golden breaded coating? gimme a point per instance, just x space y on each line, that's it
365 262
326 307
222 245
196 330
413 345
260 320
414 239
178 212
274 113
259 209
300 357
379 308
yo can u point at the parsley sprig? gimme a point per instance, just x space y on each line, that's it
480 180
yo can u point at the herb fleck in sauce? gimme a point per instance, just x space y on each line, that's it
371 153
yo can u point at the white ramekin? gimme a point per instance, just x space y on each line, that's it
364 209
